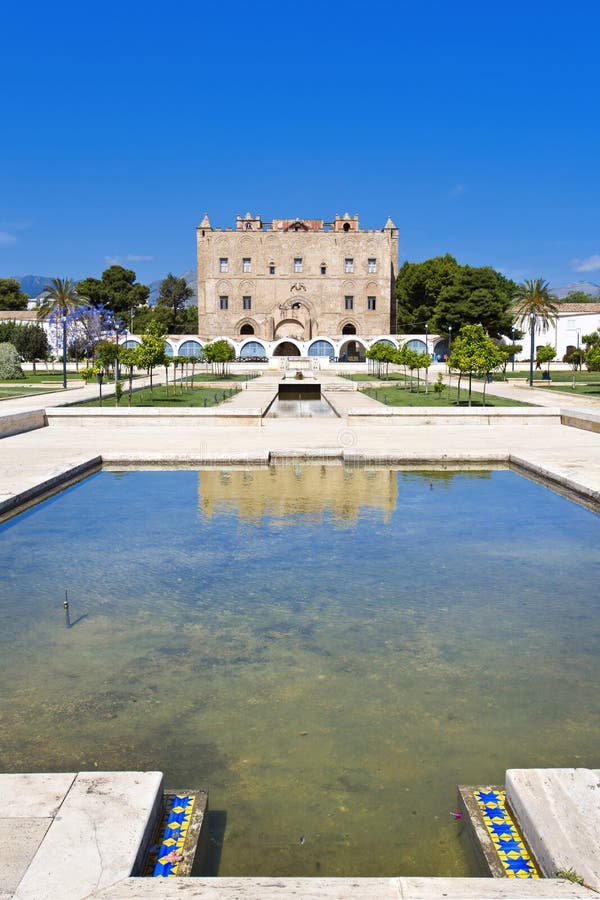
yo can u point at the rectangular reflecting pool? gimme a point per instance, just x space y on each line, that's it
329 651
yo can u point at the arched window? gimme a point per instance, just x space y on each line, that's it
252 348
190 348
346 226
168 350
416 345
131 345
247 329
349 328
383 342
321 348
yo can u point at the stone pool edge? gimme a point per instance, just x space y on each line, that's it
70 474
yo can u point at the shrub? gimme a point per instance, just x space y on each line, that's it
10 367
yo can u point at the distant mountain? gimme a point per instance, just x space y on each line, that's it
35 284
588 287
32 284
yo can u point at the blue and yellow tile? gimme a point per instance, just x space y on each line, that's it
163 861
511 849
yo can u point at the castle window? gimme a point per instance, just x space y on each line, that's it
247 302
348 302
371 302
246 264
248 226
298 264
223 264
346 226
323 270
224 302
372 265
348 265
271 269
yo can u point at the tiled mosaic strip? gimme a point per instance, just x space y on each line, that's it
505 836
165 856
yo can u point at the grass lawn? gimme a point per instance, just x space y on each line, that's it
208 376
395 395
362 376
42 375
559 376
11 389
176 397
591 390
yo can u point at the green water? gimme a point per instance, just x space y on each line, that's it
329 652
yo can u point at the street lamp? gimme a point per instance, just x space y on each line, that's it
99 378
449 339
512 328
64 324
426 338
531 346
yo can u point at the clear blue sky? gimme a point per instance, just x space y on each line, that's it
475 125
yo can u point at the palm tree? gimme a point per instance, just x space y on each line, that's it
61 297
535 304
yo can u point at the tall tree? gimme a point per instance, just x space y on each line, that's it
116 290
172 295
535 310
418 287
475 296
11 295
151 352
61 298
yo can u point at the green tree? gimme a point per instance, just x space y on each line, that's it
172 295
545 354
578 297
11 295
476 296
219 354
31 342
128 358
151 351
10 363
592 358
117 290
418 287
535 307
379 357
474 352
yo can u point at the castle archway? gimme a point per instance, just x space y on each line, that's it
286 348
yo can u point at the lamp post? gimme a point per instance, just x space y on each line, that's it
427 338
512 328
99 378
449 339
64 348
531 346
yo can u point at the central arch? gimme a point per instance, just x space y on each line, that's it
286 348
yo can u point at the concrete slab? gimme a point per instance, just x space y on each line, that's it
34 795
559 814
343 889
98 837
19 842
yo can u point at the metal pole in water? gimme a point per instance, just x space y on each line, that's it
66 609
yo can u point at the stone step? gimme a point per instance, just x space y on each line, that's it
559 814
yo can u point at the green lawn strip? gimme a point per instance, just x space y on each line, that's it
559 376
208 376
143 397
398 396
8 391
361 376
592 390
40 376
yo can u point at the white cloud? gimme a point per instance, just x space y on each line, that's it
7 239
590 264
130 257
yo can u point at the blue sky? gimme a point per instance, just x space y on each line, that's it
476 126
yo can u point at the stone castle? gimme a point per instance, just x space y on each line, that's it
290 281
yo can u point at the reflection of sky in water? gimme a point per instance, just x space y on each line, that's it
333 673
